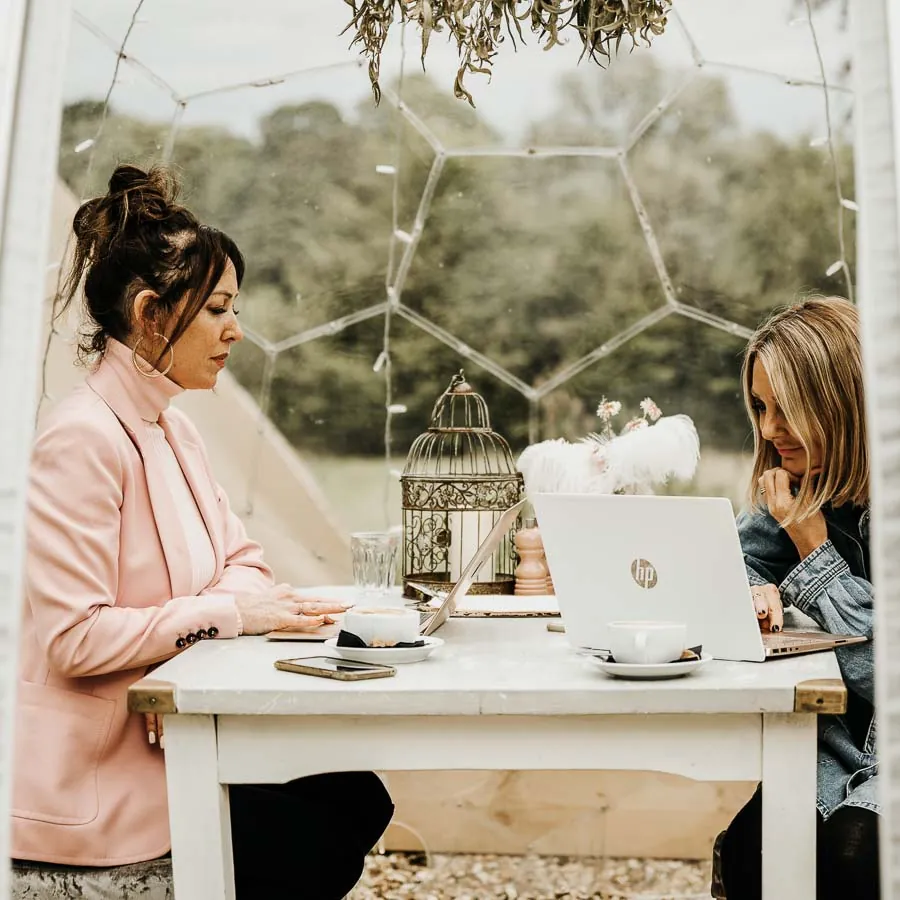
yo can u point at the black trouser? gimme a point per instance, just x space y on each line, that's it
846 854
306 839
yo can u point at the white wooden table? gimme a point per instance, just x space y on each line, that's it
501 694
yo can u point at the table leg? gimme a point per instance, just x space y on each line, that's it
199 816
789 755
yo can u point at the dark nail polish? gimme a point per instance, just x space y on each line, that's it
776 628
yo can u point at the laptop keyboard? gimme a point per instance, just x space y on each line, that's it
781 643
793 637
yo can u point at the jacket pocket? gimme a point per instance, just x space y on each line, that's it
59 738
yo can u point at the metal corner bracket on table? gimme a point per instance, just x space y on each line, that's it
149 696
825 696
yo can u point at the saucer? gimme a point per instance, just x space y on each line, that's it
388 656
650 672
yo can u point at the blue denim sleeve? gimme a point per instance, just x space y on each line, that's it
822 586
769 553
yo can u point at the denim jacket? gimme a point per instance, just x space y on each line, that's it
832 587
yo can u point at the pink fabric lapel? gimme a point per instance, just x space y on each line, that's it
190 458
171 532
108 383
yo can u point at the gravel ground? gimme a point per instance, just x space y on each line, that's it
402 876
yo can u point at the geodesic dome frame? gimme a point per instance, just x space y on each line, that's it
407 234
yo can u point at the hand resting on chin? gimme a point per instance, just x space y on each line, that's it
807 534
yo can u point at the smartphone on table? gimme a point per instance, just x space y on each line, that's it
329 667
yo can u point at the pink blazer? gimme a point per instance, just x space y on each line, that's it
106 580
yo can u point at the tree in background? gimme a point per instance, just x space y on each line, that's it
533 261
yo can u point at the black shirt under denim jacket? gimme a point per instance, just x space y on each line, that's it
832 586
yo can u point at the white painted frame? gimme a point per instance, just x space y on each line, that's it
206 753
33 44
876 60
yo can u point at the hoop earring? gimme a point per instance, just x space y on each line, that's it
155 373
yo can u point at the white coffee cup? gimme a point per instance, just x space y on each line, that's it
646 643
382 626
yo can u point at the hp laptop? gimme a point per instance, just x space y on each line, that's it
444 604
621 557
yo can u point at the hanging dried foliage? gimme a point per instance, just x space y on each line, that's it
478 27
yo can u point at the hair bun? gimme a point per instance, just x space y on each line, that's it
144 195
136 200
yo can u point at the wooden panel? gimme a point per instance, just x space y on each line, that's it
825 696
617 814
151 696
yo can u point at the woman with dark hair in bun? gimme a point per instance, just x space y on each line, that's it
133 554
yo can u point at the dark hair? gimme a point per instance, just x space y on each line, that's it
134 238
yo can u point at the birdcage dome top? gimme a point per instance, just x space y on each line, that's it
459 440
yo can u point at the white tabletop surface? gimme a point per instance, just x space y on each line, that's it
486 667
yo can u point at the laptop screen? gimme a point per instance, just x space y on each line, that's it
461 588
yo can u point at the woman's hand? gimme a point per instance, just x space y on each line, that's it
281 607
154 726
769 610
808 534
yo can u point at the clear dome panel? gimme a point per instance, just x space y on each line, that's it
113 113
535 97
684 368
533 261
744 204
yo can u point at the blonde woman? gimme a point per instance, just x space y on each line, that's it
806 544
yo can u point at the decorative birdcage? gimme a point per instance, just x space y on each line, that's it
458 480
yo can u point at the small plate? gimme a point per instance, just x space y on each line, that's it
650 672
388 656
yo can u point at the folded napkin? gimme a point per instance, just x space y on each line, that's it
348 639
692 654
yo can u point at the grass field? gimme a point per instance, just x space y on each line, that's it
365 496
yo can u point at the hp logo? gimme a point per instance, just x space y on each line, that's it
644 573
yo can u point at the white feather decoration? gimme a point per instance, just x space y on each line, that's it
633 461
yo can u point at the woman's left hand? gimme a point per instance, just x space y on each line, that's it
154 726
768 606
807 534
309 607
320 613
317 613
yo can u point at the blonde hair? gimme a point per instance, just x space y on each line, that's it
811 353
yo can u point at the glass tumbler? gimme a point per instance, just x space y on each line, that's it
374 555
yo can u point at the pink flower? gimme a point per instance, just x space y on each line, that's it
649 408
608 408
635 425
